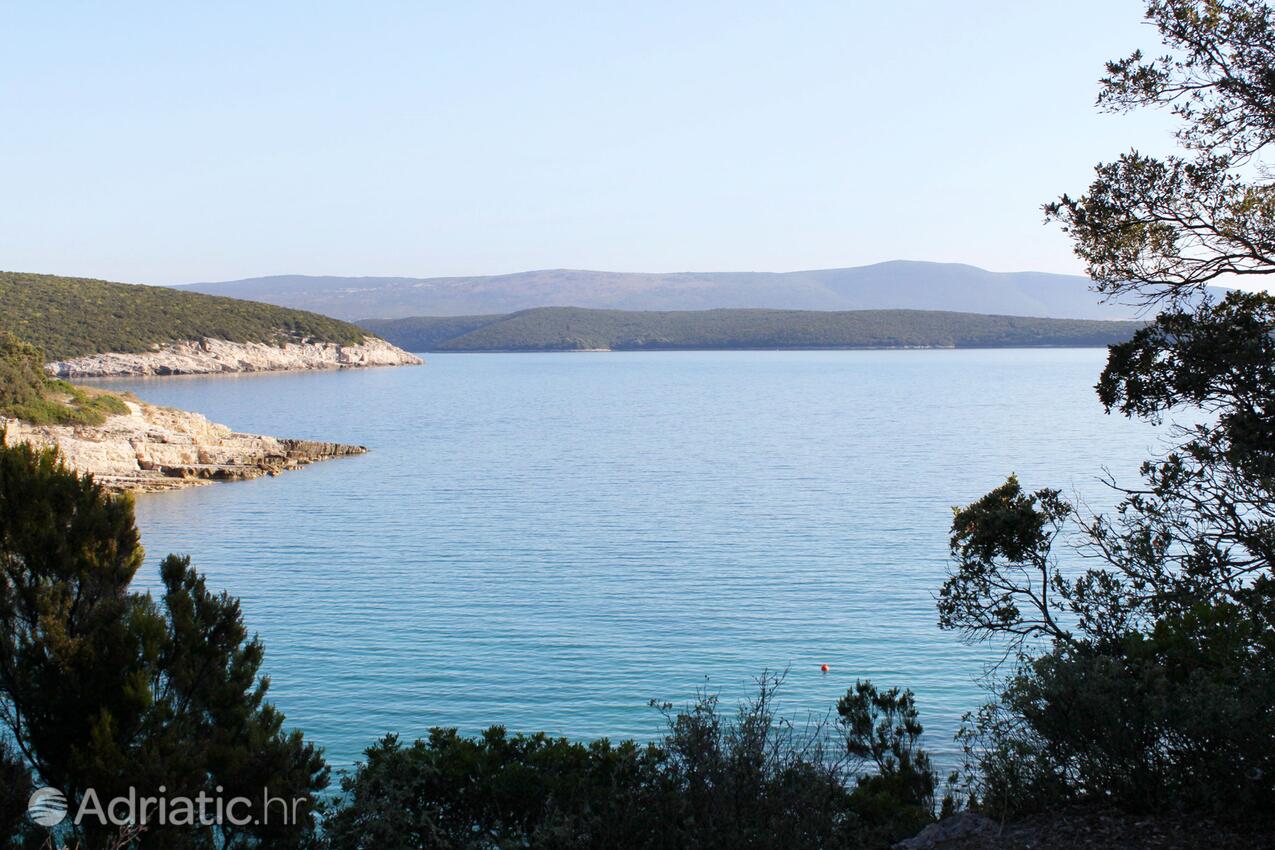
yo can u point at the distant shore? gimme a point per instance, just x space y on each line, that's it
685 349
216 356
576 329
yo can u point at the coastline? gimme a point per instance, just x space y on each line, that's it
154 448
215 356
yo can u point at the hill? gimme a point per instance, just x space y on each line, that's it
575 329
899 285
72 317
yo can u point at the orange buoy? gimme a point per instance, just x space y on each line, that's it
823 667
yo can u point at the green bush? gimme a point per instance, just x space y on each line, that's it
22 377
746 779
496 790
27 393
895 799
1176 718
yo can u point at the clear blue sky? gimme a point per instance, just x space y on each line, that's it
173 142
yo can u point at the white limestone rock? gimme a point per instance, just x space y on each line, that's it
159 448
213 356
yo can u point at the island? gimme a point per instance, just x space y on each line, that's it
579 329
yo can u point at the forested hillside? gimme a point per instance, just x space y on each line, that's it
574 329
69 317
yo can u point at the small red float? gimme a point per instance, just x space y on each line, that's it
823 667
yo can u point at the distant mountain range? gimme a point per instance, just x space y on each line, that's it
577 329
885 286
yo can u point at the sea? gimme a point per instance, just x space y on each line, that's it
550 542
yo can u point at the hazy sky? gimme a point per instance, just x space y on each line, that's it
173 142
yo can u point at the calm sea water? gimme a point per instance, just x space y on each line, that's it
550 541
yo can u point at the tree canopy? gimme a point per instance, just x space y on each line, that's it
107 689
1144 638
1159 229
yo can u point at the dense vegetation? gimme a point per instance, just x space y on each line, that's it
27 393
714 780
70 317
1144 639
427 333
574 329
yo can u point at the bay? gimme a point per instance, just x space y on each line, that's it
550 541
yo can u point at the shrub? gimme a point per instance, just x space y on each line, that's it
747 779
28 394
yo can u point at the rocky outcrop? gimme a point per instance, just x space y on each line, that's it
211 356
158 448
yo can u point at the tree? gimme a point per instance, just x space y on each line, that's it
15 790
882 728
1145 647
1158 230
102 688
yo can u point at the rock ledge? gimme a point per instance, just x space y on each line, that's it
159 448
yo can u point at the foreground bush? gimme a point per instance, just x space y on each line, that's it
742 779
1177 720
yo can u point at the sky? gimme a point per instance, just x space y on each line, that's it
176 142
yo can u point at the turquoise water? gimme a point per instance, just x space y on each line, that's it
550 541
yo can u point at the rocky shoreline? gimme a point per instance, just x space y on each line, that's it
216 356
158 448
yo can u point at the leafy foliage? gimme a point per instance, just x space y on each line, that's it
571 329
15 788
22 378
1158 230
27 393
715 780
1145 647
452 791
1157 684
107 689
69 317
896 798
